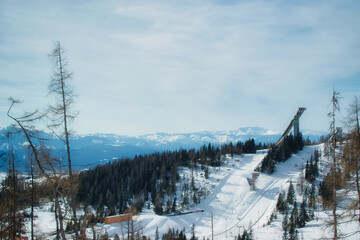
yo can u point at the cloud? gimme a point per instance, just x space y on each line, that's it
146 66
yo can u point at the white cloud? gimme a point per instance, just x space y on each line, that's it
146 66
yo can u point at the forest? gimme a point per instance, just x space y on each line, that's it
129 182
277 154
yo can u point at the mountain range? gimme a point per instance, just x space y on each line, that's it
94 149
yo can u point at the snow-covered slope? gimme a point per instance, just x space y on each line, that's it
231 202
235 207
94 149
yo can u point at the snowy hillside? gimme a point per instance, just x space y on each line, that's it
234 206
228 197
95 149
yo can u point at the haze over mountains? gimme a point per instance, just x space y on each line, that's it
93 149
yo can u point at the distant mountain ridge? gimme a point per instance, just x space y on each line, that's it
94 149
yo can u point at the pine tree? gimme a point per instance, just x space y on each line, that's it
281 204
293 222
285 225
307 177
173 208
158 209
157 234
193 237
291 194
312 197
303 215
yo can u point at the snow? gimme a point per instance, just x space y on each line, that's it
270 132
224 138
44 220
2 176
231 202
206 139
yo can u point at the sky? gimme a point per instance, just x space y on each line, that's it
143 67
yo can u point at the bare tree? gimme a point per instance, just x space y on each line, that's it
351 155
61 113
23 121
43 160
353 116
332 153
11 194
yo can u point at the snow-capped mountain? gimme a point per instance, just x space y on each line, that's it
94 149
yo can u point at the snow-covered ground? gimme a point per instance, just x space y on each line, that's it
231 202
233 205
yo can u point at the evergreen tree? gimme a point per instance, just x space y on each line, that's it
307 177
303 215
293 223
173 208
206 173
157 234
285 226
246 235
281 204
182 235
193 237
281 153
291 194
312 197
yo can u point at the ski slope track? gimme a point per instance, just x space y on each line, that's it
234 206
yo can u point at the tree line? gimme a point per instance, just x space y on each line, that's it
276 154
114 187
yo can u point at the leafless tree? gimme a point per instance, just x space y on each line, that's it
61 88
45 163
351 155
335 108
11 226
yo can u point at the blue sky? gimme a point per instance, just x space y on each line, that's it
181 66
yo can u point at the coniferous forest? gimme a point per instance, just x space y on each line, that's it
281 153
114 187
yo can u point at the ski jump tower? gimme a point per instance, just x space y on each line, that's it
294 123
